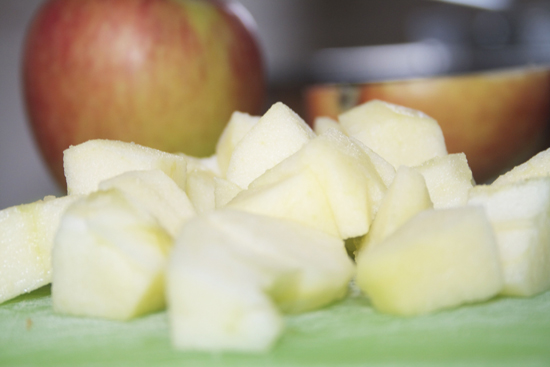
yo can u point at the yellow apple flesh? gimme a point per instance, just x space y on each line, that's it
163 73
498 119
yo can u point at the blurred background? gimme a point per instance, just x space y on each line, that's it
310 41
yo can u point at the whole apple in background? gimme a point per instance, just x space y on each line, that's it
162 73
498 119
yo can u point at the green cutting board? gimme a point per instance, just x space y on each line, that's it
501 332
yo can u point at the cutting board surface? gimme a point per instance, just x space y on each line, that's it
503 332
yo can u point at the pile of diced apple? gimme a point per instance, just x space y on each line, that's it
231 242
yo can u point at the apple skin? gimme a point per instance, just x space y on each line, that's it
166 74
498 119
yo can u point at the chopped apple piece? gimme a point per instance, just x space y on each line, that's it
316 267
224 191
322 124
214 304
109 259
230 268
208 164
440 258
158 193
520 215
351 184
201 190
537 166
401 135
449 179
298 196
406 197
385 170
26 241
89 163
238 126
279 133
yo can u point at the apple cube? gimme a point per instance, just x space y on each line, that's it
311 267
322 124
520 215
401 135
406 197
109 258
26 241
201 190
238 126
224 191
385 170
279 133
440 258
297 196
352 185
537 166
230 271
89 163
449 180
208 164
346 174
156 192
214 304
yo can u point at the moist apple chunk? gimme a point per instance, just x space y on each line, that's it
520 215
231 273
407 196
536 166
156 192
401 135
87 164
449 179
26 239
279 133
239 124
337 187
109 259
440 258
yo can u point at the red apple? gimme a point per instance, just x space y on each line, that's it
498 119
162 73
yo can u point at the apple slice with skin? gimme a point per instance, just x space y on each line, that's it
401 135
449 179
238 126
406 197
158 193
26 241
440 258
279 133
520 215
89 163
109 258
231 270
